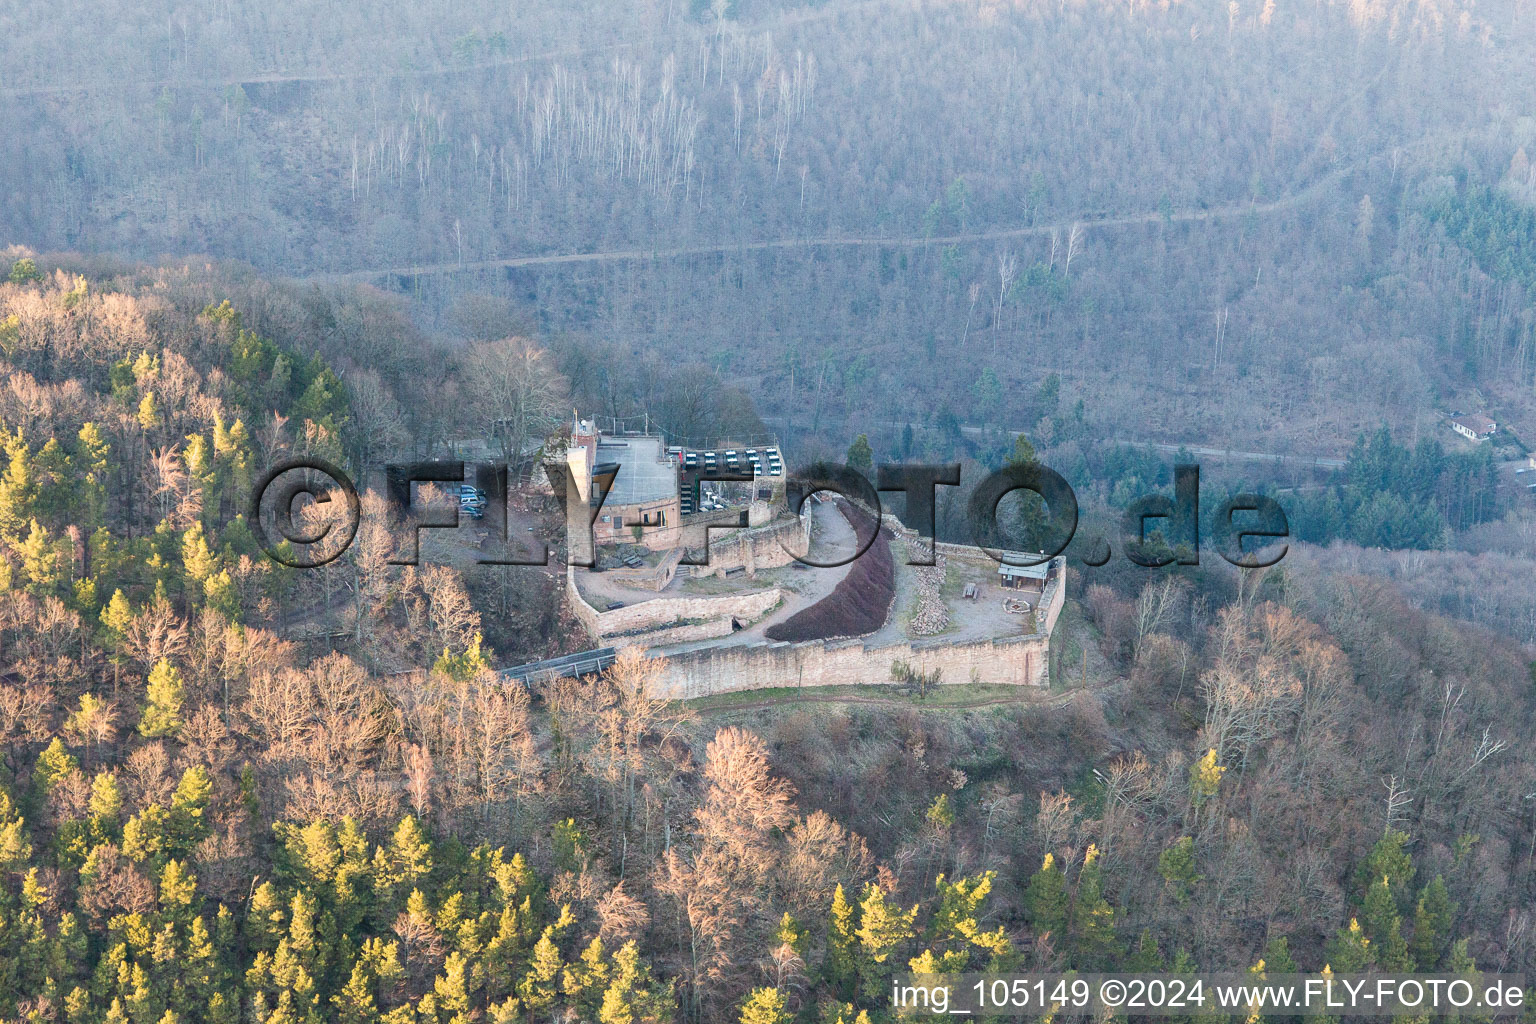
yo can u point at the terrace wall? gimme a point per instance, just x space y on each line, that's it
669 612
763 547
1012 661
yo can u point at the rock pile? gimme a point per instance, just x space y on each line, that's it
930 615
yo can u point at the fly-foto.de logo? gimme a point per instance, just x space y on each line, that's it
313 532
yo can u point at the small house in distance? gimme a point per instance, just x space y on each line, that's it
1474 426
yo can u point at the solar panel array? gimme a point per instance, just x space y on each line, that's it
760 461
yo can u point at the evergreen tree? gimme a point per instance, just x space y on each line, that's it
1389 859
1093 919
197 557
537 989
1350 950
765 1006
1177 866
25 270
1277 956
92 460
53 765
860 456
1432 921
1146 958
116 618
355 1003
105 805
149 412
1204 778
162 713
189 805
18 490
841 941
452 987
883 927
1383 925
1045 899
40 561
178 887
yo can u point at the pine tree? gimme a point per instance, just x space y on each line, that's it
765 1006
1389 859
940 816
219 594
92 460
789 933
53 765
355 1003
40 561
149 411
860 456
1204 778
1177 866
1350 950
25 270
585 981
56 492
1379 913
463 667
404 861
116 618
1023 453
18 490
162 713
1432 921
1277 956
144 836
452 987
840 941
189 804
537 989
1046 899
883 928
201 471
1093 919
616 1008
955 922
106 803
197 558
1147 958
266 920
178 887
1459 960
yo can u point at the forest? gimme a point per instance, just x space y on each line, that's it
1208 223
1284 239
212 810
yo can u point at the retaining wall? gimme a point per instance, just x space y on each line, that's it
762 547
1015 661
668 612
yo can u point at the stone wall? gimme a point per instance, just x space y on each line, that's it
668 612
694 631
1011 661
649 577
770 546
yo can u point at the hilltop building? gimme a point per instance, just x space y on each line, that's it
655 490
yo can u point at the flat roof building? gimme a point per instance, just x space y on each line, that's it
642 505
